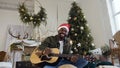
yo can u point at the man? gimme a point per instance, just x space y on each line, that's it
61 42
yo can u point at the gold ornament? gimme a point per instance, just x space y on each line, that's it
75 34
75 18
72 29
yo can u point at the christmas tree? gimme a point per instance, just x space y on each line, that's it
80 34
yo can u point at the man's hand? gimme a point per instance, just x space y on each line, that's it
47 51
74 58
38 53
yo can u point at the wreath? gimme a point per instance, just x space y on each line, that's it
36 19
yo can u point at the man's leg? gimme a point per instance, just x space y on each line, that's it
47 66
80 63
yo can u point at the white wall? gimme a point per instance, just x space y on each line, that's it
97 16
94 10
7 17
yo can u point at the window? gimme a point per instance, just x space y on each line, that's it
114 11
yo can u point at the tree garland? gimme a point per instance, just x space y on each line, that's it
36 19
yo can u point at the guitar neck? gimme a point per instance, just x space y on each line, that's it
65 55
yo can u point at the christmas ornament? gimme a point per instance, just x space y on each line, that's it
72 29
88 35
75 34
87 25
79 44
82 28
92 44
77 26
71 51
75 18
84 16
69 17
71 42
78 11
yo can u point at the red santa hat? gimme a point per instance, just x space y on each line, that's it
64 25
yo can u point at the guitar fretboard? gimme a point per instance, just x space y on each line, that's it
65 55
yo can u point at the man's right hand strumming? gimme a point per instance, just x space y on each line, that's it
47 51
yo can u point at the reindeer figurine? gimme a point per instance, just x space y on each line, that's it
18 43
18 36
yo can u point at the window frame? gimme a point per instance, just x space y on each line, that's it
112 16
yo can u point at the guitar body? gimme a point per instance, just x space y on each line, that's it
35 59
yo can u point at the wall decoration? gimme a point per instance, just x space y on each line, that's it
29 17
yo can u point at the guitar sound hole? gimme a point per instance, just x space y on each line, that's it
45 58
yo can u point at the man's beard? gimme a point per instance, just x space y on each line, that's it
62 36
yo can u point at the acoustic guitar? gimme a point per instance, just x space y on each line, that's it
51 58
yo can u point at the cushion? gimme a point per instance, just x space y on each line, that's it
107 66
2 55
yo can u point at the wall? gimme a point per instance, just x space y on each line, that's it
57 10
9 16
96 13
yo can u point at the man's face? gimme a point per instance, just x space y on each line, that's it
62 32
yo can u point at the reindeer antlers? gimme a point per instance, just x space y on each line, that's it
18 36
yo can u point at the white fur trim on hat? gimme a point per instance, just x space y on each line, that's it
64 27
